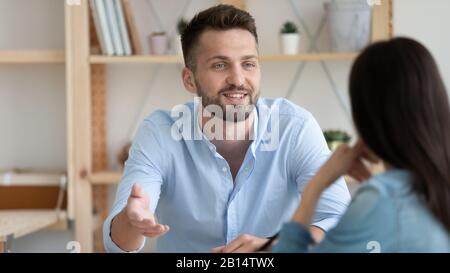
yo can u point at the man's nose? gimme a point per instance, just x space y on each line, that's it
236 77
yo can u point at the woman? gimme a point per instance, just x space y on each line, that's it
401 112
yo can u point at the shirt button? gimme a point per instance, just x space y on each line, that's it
224 169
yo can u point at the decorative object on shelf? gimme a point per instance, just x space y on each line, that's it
335 138
158 43
181 26
349 24
290 38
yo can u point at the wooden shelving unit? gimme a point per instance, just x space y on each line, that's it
327 56
32 56
14 178
105 178
86 90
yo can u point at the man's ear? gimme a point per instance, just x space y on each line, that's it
188 80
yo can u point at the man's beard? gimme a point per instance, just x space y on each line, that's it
235 112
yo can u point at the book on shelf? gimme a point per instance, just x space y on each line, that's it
132 28
101 25
114 27
123 27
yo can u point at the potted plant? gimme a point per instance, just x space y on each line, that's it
158 43
290 38
181 26
335 138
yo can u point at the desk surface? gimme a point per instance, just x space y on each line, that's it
17 223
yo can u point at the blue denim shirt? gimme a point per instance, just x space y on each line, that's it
192 190
384 216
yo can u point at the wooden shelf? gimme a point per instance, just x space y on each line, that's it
329 56
103 59
104 178
326 56
13 178
32 56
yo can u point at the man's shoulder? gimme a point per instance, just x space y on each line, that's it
164 117
285 108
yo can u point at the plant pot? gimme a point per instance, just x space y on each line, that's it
290 43
348 24
158 43
333 145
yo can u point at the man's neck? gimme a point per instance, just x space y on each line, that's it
230 133
235 140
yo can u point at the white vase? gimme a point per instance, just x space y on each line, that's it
158 44
290 43
348 24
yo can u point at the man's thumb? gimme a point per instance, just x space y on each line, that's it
136 191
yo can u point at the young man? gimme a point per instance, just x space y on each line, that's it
231 170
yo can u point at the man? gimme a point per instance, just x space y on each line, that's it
228 173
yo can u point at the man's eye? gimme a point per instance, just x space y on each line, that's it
219 66
249 65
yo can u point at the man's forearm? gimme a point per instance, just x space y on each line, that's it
123 234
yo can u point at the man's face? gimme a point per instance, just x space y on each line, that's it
227 71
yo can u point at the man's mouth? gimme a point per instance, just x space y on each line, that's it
235 97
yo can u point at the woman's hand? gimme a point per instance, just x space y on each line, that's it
345 160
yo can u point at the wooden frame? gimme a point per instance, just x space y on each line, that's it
79 122
32 56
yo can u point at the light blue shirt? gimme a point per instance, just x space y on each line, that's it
192 190
385 215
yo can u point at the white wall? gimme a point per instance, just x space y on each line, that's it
32 100
32 97
428 22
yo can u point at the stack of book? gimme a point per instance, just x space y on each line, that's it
115 27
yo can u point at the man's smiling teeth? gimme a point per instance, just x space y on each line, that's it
237 96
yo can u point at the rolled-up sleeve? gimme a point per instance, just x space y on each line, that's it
310 153
354 231
294 237
145 166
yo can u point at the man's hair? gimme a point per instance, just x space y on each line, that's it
220 17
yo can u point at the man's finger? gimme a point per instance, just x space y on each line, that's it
156 233
155 228
231 247
217 249
146 223
136 191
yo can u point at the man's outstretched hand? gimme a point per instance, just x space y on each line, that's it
139 215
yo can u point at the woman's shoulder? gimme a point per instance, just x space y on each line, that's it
394 182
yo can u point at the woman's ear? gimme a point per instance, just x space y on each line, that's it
188 80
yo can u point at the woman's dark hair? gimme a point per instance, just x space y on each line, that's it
220 17
401 111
